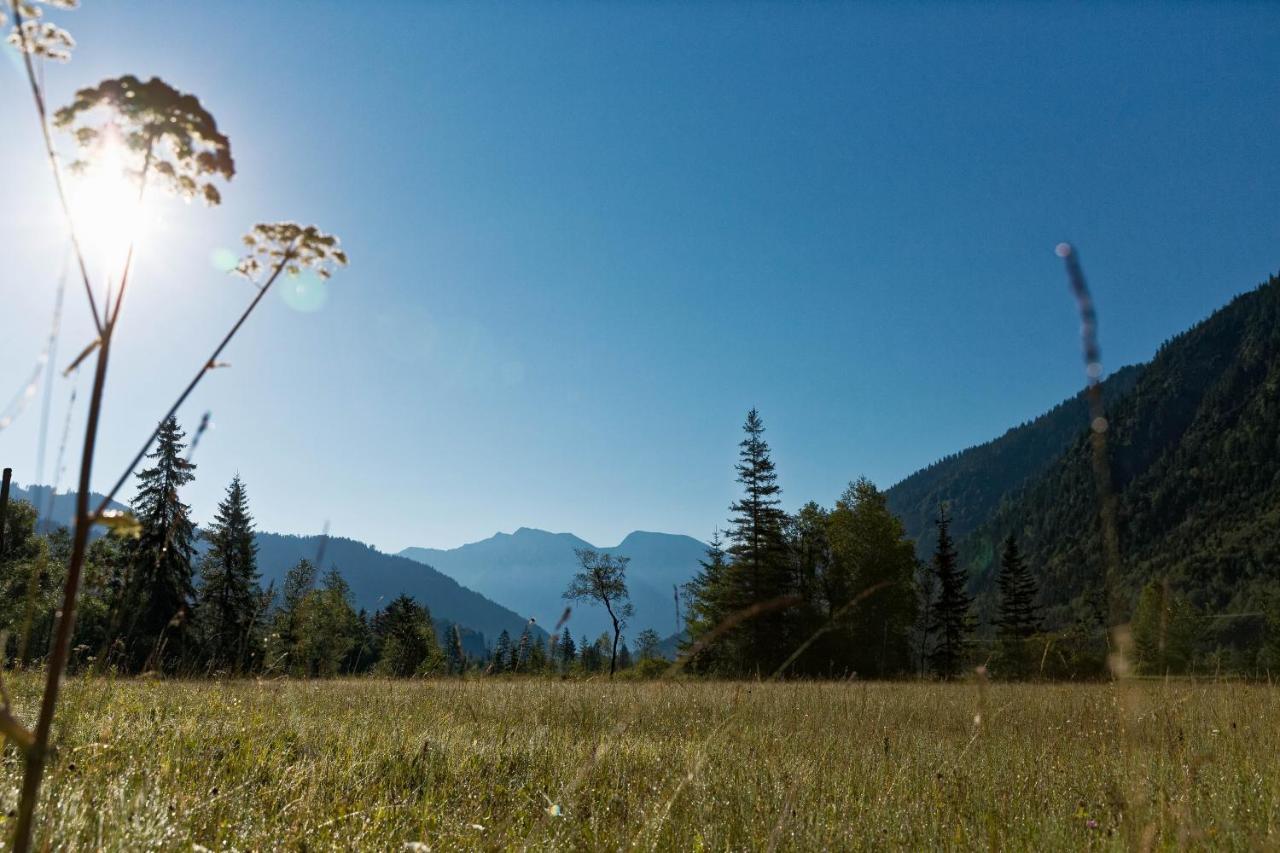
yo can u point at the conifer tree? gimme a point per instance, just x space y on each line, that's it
537 662
158 592
1018 619
624 657
950 619
761 568
568 652
285 646
710 600
502 652
229 590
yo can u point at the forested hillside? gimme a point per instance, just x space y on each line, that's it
977 480
1195 458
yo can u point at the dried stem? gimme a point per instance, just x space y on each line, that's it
133 464
37 95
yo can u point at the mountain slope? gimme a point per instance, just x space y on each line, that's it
977 480
376 578
1195 461
531 568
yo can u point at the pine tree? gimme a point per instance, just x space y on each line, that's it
950 619
502 652
537 662
710 600
760 574
285 646
330 627
624 657
1018 620
158 592
568 651
229 590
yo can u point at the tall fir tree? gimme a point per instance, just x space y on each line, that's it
1019 619
502 653
709 596
568 651
157 593
950 620
229 594
758 551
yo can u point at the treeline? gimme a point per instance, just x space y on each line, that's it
151 602
839 592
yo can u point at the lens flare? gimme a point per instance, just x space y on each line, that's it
105 206
304 292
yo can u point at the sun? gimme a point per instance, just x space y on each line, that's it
108 213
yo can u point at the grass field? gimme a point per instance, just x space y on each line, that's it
381 765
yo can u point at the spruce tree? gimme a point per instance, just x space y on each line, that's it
537 662
229 592
158 592
759 554
502 652
950 619
709 596
568 651
1018 619
285 646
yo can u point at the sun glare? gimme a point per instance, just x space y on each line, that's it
108 213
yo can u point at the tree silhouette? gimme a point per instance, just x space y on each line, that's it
603 579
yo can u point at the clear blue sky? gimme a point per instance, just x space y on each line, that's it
586 238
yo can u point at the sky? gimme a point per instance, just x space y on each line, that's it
586 238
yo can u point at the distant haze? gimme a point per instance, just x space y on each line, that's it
528 571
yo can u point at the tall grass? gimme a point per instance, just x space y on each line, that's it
493 763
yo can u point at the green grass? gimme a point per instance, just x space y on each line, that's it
662 765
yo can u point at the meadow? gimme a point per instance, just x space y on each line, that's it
660 765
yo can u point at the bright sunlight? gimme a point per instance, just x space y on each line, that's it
106 206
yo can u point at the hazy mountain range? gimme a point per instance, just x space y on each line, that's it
530 569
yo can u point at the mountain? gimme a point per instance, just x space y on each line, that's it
375 577
974 482
62 511
530 569
1195 465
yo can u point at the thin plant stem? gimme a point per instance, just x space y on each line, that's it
204 368
58 653
37 95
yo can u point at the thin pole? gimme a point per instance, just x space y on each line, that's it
4 505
